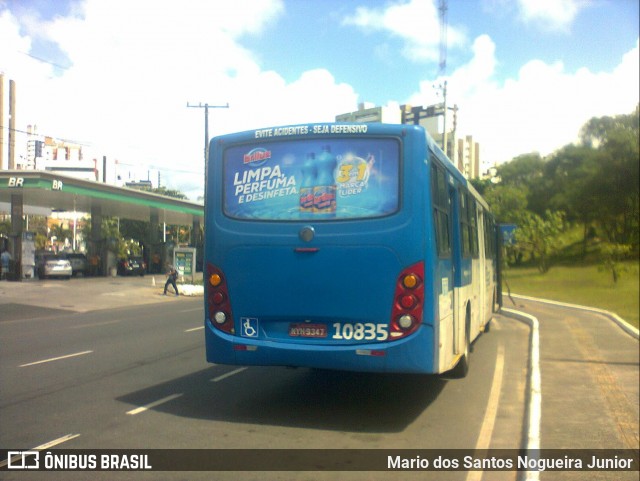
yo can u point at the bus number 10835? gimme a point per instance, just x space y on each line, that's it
342 331
361 331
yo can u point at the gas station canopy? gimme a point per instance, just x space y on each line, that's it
48 192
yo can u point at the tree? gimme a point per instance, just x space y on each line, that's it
507 202
615 185
162 190
596 183
5 227
41 242
141 230
612 256
598 130
60 233
540 236
527 172
570 174
134 229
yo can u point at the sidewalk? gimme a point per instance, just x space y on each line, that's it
83 294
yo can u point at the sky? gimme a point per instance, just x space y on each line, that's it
116 76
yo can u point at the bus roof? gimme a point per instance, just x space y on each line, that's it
346 128
453 170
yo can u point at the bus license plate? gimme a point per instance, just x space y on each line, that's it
308 330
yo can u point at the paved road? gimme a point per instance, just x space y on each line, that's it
79 294
111 363
135 376
590 383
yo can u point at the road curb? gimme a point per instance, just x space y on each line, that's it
534 382
624 325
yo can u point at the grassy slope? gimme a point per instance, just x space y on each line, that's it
584 285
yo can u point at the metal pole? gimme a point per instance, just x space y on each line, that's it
206 133
206 108
444 120
75 222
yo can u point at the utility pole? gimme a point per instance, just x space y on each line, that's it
206 108
442 8
444 119
2 121
12 125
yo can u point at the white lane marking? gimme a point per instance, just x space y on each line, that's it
48 445
535 385
55 442
194 329
142 409
193 310
96 324
491 412
229 374
56 358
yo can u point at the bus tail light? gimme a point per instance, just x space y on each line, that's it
408 304
218 301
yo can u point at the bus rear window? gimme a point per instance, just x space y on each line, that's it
352 178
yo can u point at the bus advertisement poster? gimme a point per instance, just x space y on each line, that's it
312 179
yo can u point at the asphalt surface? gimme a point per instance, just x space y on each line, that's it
36 298
113 363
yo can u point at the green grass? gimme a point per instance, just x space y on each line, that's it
585 285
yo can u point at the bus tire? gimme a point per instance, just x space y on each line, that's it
462 368
487 326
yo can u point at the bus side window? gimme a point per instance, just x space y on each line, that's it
489 241
464 223
468 224
473 227
441 210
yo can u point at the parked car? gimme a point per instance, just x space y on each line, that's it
132 266
79 263
51 265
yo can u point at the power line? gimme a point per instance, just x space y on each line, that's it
43 60
159 167
71 141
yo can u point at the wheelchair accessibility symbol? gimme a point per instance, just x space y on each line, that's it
249 326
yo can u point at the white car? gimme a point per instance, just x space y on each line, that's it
54 266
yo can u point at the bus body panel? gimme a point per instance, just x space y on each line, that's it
399 356
314 287
339 286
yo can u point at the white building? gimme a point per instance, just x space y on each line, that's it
463 152
367 113
47 153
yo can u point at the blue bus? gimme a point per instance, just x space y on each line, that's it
355 247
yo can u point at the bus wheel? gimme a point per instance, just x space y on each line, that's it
462 368
487 326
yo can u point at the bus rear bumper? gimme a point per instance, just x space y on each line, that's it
411 355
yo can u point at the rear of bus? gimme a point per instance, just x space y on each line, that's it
317 242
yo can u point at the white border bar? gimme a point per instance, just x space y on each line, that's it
535 385
624 325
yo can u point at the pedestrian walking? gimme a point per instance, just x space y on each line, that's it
171 280
6 262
